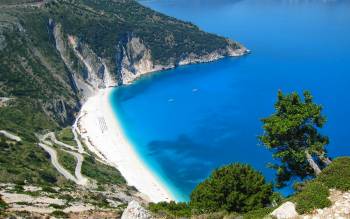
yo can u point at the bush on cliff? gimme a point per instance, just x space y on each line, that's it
233 188
337 174
171 209
314 194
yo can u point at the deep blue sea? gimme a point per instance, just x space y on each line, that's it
188 121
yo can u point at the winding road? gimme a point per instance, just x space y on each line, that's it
47 146
10 136
54 160
54 140
81 180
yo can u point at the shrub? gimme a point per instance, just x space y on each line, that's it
59 214
337 174
233 188
56 206
314 195
48 189
258 213
3 205
171 209
100 172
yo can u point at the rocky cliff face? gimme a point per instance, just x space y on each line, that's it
89 72
134 59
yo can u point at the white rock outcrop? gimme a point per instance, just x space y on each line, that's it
136 211
134 58
285 211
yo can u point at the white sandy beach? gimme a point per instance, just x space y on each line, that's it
99 126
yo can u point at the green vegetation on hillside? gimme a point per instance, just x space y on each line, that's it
171 209
14 2
102 173
314 194
66 135
25 161
102 23
92 168
3 206
337 174
233 188
67 160
24 116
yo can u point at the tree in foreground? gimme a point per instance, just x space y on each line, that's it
292 134
233 188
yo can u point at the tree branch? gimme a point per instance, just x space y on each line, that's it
312 163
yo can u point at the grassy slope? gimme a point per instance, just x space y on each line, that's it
25 161
67 160
315 193
102 173
13 2
66 135
32 73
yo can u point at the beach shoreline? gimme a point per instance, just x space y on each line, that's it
100 130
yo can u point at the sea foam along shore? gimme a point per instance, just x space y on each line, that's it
100 128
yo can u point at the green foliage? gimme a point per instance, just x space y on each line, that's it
258 213
57 206
314 196
48 189
24 116
171 209
25 161
66 135
3 205
13 2
217 215
67 160
59 214
337 174
102 173
99 200
292 131
32 71
232 188
168 38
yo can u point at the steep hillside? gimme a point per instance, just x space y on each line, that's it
56 53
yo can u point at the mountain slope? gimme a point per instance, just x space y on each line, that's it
56 53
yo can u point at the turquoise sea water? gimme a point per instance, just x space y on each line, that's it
188 121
